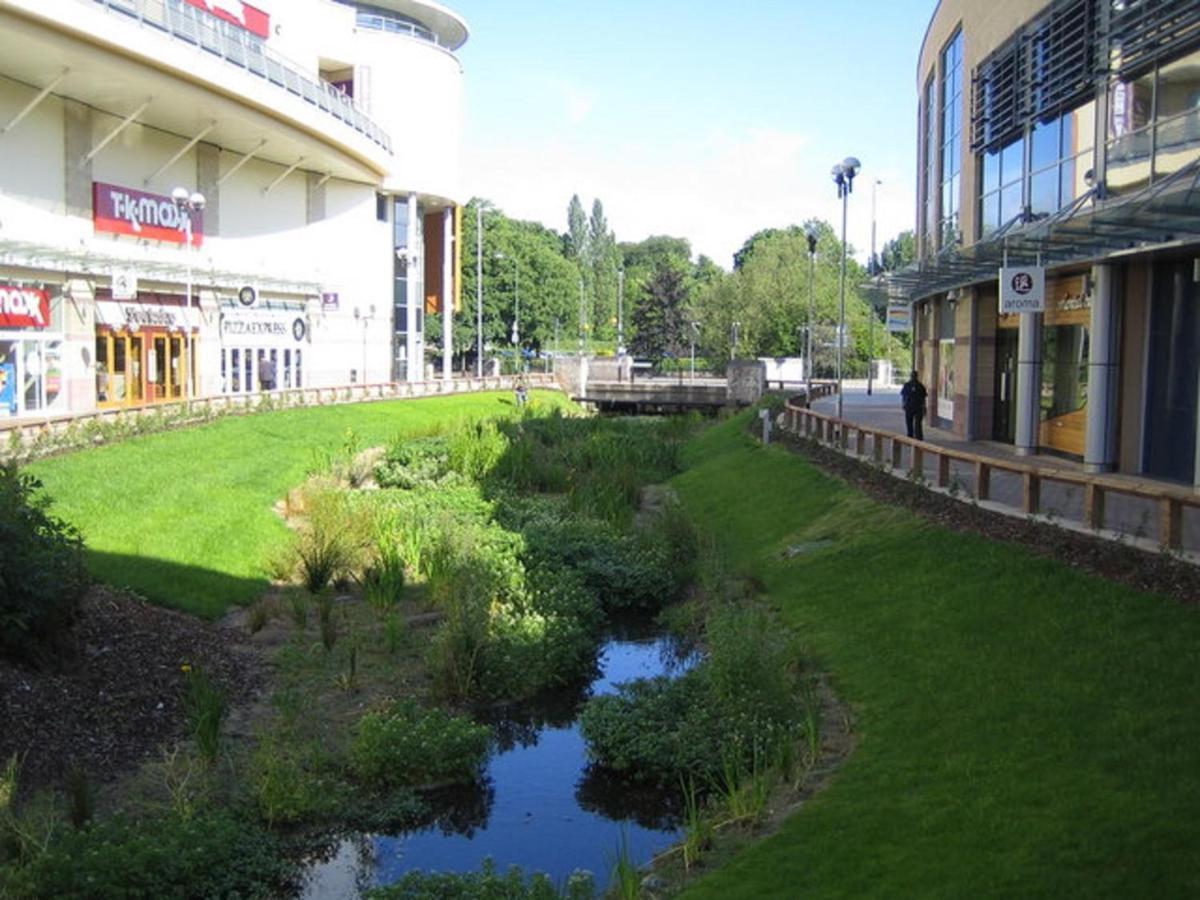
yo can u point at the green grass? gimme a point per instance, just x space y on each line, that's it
185 517
1023 729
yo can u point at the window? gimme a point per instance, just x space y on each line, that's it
951 122
929 220
381 207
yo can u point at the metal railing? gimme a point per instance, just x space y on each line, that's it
392 25
240 48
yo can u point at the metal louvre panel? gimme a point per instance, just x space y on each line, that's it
996 108
1143 32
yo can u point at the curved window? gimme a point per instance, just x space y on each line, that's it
952 121
376 18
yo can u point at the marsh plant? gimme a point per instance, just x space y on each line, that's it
204 703
327 539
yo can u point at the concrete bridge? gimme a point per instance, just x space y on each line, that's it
613 385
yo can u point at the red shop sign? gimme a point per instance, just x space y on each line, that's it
243 15
24 307
123 210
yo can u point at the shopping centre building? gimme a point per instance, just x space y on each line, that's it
205 197
1062 141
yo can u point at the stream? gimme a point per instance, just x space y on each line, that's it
539 805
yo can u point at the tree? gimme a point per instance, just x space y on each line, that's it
899 252
660 322
576 243
603 259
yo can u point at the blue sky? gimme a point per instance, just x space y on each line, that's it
698 120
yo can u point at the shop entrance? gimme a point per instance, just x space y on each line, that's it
147 366
1174 362
30 377
1004 422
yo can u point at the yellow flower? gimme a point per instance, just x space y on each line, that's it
186 667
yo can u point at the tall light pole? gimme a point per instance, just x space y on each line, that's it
478 290
843 177
811 237
872 271
582 321
189 203
734 329
620 312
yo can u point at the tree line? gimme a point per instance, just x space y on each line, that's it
582 288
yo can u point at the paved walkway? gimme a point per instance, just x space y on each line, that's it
1128 518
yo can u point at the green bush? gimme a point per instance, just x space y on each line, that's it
212 855
42 576
487 884
414 463
407 745
329 539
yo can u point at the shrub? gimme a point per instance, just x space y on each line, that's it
42 577
408 745
213 855
487 884
329 539
205 705
414 463
288 783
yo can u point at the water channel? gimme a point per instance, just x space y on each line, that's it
539 806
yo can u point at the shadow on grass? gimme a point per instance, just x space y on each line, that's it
206 593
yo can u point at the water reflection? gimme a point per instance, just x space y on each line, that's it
541 806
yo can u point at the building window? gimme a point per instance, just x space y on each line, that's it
951 156
1153 123
381 207
929 219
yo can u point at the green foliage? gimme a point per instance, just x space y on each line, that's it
328 539
204 703
487 884
661 322
413 463
42 578
291 782
211 855
408 745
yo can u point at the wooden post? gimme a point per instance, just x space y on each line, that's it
1032 493
918 461
877 447
983 480
1093 506
943 470
1170 522
897 453
860 442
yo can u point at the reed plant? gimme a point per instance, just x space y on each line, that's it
204 703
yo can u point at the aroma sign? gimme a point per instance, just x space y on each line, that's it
23 307
122 210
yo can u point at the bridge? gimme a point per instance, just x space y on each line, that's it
613 385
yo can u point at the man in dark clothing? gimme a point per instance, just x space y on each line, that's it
266 373
912 397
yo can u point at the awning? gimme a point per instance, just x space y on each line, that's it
1092 228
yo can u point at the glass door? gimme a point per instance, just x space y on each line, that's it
1004 421
1174 363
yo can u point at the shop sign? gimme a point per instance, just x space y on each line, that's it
329 301
124 284
22 307
1023 289
242 324
243 15
899 317
138 315
121 210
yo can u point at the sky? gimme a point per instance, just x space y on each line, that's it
708 121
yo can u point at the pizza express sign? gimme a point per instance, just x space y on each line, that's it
1022 289
121 210
239 324
22 307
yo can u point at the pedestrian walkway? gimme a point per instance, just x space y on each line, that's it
1131 508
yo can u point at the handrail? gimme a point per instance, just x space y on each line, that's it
834 432
190 25
25 440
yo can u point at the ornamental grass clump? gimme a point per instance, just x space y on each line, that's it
406 745
205 705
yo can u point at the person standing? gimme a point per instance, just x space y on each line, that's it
266 373
912 398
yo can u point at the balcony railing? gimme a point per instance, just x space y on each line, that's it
193 26
393 25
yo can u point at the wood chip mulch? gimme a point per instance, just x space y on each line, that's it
1159 573
121 699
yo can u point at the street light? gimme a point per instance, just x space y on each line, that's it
189 203
620 312
736 326
874 271
843 177
811 236
695 333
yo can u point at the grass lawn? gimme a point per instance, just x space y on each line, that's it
1023 729
185 517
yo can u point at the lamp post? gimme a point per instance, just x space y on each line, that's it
843 177
478 291
582 319
734 329
189 204
620 312
811 237
873 271
695 331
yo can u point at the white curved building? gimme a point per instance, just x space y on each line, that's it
324 139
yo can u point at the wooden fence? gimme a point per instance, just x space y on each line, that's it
27 439
1120 505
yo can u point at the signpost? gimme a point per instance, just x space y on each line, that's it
1022 289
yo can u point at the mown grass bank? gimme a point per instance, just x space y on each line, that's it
1023 729
185 517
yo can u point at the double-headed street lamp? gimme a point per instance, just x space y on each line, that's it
843 177
189 204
